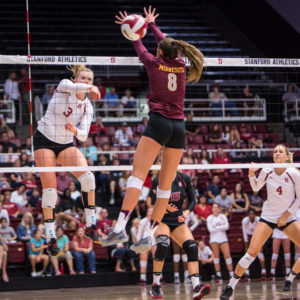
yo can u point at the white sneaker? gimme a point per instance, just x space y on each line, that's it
39 273
187 280
34 274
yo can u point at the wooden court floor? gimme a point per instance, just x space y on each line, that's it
250 291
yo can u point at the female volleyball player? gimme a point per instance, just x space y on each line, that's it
165 130
173 225
69 114
278 211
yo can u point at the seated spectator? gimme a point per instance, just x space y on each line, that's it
256 201
4 213
123 136
11 157
36 253
190 156
5 143
74 191
63 245
102 178
26 147
226 134
224 201
34 197
15 179
123 182
83 248
104 224
289 99
24 161
97 128
142 126
4 184
128 101
63 180
26 228
251 107
113 183
206 260
101 87
89 150
191 128
19 196
3 258
221 157
215 135
213 189
11 207
235 139
204 160
240 200
66 211
198 189
7 232
29 181
121 252
202 210
216 98
112 97
4 128
190 172
252 155
248 137
11 87
48 96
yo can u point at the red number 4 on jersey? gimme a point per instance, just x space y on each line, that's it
279 190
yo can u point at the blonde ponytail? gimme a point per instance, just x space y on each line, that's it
76 69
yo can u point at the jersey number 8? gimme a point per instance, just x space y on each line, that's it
172 82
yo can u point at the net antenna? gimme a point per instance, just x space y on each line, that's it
29 76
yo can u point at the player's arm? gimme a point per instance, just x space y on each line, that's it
225 226
257 183
194 220
150 18
245 235
68 86
210 227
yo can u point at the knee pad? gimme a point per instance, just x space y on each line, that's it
176 258
191 249
87 182
49 198
143 263
134 182
163 242
228 261
184 258
287 256
216 261
164 194
246 261
260 256
274 256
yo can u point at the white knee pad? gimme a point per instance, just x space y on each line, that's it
274 256
87 182
143 263
164 194
176 258
287 256
49 198
184 258
228 261
134 182
246 261
260 256
216 261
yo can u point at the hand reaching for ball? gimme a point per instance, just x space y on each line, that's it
121 18
150 15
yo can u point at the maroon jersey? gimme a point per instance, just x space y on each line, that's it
166 79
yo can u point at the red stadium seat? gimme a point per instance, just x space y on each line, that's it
236 242
237 216
100 251
14 222
110 130
16 252
100 140
200 231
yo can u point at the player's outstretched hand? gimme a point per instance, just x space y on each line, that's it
95 93
121 17
150 15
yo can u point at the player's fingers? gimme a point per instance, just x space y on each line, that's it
153 11
118 22
150 7
121 14
117 17
125 13
156 16
145 12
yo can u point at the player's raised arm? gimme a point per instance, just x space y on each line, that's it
150 18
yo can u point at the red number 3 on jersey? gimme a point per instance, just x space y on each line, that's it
279 190
68 112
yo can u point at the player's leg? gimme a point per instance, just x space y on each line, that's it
73 157
184 238
162 235
4 266
276 246
47 158
215 247
287 255
176 260
261 233
227 256
146 153
261 258
143 267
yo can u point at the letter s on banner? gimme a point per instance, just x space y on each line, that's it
112 60
220 62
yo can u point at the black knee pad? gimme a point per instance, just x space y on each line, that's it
163 243
85 200
191 250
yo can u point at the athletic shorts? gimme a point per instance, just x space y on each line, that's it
41 142
167 132
273 225
173 226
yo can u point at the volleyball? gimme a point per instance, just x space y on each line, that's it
134 27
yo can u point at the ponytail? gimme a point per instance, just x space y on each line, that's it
76 69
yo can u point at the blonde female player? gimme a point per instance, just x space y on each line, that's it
69 114
278 211
165 130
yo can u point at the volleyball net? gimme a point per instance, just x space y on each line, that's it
254 102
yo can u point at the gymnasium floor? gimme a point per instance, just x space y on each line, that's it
254 291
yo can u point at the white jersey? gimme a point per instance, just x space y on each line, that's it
217 226
248 227
279 234
191 218
65 107
297 215
204 254
142 232
283 193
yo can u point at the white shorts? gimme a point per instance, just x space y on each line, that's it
218 241
278 234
